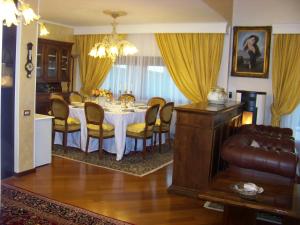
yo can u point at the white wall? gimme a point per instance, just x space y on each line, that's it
262 13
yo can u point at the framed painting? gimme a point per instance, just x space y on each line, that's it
251 51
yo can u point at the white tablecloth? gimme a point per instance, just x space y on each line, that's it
116 145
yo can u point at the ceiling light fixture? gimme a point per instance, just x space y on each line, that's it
112 45
11 13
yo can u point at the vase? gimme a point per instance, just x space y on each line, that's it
217 95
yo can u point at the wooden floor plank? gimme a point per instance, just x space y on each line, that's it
142 201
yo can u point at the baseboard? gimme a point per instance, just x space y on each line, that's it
23 173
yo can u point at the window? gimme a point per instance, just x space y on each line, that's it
145 76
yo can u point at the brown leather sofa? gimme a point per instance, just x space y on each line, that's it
260 156
275 132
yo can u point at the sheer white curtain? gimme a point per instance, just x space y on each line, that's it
144 74
293 121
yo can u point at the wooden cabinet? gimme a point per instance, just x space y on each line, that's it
200 131
54 65
53 61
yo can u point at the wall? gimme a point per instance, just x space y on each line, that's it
25 96
59 32
262 13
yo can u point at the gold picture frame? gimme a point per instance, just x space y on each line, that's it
251 51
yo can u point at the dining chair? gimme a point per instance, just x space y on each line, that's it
144 130
94 115
156 100
127 97
62 122
56 96
163 124
75 97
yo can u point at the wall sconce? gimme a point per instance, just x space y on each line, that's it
247 117
43 29
10 13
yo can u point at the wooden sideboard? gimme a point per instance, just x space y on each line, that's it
201 129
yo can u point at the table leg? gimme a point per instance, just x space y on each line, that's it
236 216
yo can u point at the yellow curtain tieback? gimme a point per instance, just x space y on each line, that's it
105 126
70 121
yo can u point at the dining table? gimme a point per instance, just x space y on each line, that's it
116 115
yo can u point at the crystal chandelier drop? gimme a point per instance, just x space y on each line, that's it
113 45
11 13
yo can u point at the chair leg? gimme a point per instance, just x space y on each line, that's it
169 139
144 148
155 135
87 145
159 140
100 148
152 146
135 144
79 140
53 139
65 141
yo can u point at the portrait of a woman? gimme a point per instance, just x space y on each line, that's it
251 47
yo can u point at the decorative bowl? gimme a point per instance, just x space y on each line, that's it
247 190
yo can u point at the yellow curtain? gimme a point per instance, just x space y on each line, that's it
193 61
286 75
93 71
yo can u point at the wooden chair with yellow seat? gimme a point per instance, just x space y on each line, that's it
94 115
75 97
144 130
163 124
156 100
62 122
127 97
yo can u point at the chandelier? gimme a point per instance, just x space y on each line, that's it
11 13
113 45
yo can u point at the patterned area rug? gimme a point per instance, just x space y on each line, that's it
132 164
20 207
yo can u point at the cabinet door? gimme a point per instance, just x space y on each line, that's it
65 65
52 64
40 63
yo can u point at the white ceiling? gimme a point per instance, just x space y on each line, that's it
89 12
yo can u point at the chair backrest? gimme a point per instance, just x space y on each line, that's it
75 97
166 113
127 97
156 100
56 96
59 109
94 113
151 115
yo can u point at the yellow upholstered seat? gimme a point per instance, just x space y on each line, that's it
60 111
94 115
143 130
70 121
162 125
105 127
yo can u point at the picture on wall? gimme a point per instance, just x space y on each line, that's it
251 51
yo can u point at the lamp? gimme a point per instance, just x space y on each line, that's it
10 13
112 45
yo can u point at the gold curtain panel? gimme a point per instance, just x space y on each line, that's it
93 71
193 61
286 75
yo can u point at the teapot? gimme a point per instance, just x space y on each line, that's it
217 95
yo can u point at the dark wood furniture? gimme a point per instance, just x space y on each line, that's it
200 131
54 66
279 198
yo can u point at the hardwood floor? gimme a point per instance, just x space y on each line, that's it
136 200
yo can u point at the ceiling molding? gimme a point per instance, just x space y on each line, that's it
156 28
286 28
58 24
